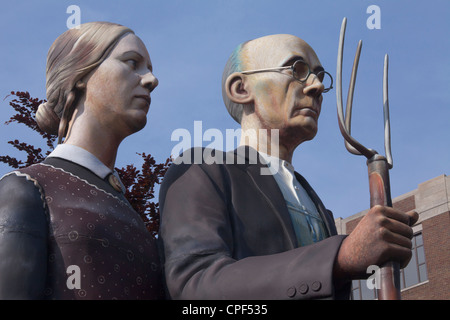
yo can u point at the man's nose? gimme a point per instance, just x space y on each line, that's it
313 86
149 81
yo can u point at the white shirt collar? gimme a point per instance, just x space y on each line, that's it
270 160
85 159
290 187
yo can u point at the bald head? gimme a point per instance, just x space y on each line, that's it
265 52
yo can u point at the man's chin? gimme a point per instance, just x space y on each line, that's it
305 126
309 135
295 135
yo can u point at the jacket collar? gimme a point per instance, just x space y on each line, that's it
266 184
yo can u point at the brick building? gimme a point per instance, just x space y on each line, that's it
427 275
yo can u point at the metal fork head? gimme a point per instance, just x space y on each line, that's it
352 145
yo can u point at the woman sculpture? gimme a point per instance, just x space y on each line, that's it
66 229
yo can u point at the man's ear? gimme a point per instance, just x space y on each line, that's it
237 89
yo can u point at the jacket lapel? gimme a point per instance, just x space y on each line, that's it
326 215
269 190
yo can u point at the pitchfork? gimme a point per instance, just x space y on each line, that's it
378 165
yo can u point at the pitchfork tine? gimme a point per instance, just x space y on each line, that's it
351 89
351 144
387 125
358 148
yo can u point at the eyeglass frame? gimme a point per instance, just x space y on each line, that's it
292 68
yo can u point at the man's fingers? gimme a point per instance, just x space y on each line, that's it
413 217
402 239
409 218
400 254
398 229
397 215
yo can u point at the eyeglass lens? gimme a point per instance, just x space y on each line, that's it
301 72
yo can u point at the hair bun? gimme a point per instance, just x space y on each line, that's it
47 119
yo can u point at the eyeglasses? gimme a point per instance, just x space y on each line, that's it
301 72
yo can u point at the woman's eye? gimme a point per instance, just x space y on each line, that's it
133 63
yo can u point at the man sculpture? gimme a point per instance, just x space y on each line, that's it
228 231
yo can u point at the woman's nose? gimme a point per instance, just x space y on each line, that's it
149 81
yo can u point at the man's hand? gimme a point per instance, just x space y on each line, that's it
384 234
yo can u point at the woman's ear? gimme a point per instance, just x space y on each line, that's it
237 89
80 85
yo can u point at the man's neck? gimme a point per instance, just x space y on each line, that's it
266 141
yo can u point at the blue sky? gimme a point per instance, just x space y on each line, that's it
189 42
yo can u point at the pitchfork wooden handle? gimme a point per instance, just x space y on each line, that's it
380 194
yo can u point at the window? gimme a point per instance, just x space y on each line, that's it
416 270
414 273
360 291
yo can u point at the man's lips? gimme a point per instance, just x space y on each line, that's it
306 111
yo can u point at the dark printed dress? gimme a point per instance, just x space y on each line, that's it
97 245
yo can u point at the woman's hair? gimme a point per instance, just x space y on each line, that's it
72 56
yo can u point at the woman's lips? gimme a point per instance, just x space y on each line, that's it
145 97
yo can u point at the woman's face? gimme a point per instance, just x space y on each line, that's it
118 90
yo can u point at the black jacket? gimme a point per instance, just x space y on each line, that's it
226 233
